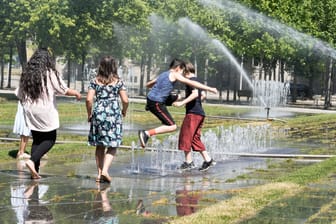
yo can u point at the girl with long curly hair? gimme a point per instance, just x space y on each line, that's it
39 84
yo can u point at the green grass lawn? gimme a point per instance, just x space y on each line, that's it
283 180
72 112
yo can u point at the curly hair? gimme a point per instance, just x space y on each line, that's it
33 79
107 70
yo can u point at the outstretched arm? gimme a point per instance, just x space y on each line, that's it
72 92
194 84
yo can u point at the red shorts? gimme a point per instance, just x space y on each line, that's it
190 133
186 202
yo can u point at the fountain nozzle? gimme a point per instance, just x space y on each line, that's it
267 113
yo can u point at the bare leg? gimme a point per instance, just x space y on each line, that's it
29 191
20 164
110 153
31 166
23 144
187 156
105 200
205 156
164 129
100 152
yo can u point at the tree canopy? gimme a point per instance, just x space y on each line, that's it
300 33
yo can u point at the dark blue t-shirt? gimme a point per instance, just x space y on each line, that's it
194 106
162 88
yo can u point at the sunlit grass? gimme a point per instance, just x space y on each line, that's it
248 202
7 112
74 112
283 179
317 129
245 204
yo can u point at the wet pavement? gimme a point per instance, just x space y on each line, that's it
68 193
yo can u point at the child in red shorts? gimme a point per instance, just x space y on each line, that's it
159 97
190 133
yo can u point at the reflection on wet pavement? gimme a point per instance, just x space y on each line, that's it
69 193
62 197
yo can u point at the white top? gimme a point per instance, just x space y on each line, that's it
20 127
42 115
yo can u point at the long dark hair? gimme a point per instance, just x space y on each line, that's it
107 70
34 77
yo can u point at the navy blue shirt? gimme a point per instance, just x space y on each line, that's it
194 106
162 88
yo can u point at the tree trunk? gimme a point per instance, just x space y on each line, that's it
220 87
22 51
274 71
206 66
282 71
235 87
294 93
327 101
69 72
228 85
2 72
149 67
10 67
241 73
142 76
261 67
82 72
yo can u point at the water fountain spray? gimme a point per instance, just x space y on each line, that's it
193 28
277 29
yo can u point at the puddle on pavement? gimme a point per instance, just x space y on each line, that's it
70 194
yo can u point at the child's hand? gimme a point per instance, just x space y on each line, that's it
178 104
213 90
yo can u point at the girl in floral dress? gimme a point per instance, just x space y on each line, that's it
105 115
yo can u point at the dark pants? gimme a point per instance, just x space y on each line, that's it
42 143
160 111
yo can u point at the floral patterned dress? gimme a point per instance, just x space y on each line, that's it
106 122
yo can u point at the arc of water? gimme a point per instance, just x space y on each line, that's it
276 28
197 30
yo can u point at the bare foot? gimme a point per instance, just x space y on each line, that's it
106 178
31 167
35 177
